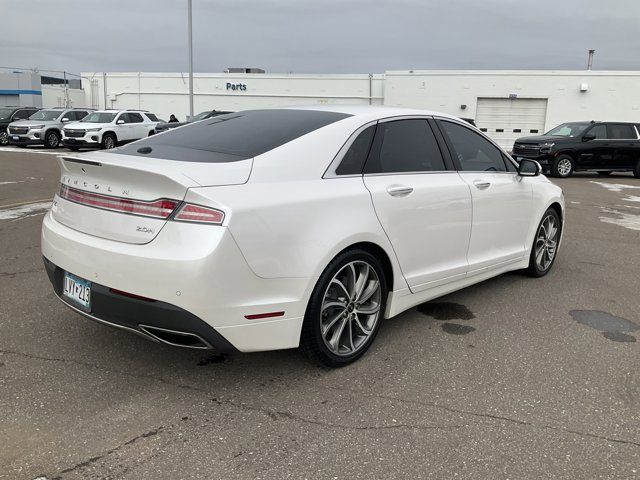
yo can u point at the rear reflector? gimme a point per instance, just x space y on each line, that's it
162 208
259 316
131 295
199 214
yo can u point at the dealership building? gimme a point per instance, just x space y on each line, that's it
505 104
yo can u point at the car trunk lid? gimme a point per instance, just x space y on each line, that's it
127 198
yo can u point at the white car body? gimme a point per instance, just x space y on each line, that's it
287 214
45 122
121 125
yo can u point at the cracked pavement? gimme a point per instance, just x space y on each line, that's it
527 392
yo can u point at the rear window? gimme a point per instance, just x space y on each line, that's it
233 137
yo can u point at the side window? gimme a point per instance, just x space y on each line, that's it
21 115
354 159
151 117
600 132
474 152
510 166
80 114
71 115
124 117
405 146
135 118
619 131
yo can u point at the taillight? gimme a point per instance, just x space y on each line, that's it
199 214
162 208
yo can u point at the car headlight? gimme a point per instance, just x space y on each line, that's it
548 144
36 127
94 129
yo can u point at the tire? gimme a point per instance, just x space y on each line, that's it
52 139
151 133
109 141
562 166
604 174
4 138
344 319
545 244
636 171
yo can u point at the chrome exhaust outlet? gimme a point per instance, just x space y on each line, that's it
175 338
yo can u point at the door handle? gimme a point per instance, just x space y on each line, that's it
399 190
481 184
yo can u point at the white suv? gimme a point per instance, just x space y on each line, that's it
109 128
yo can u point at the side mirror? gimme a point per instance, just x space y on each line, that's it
119 122
65 120
529 168
588 137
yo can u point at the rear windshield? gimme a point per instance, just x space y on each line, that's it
233 137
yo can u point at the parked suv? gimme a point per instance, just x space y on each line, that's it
164 126
109 128
44 127
12 114
603 147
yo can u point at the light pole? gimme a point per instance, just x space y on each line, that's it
190 61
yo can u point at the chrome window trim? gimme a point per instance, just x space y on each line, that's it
330 172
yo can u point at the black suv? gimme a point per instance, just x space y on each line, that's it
604 147
11 114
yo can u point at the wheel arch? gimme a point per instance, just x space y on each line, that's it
378 252
110 132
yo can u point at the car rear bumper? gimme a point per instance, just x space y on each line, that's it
196 276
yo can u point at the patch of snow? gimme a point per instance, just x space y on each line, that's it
626 220
25 211
614 187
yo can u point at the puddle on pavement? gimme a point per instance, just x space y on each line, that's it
610 326
446 311
457 329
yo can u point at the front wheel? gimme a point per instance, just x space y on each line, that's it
4 138
345 310
52 140
108 141
545 244
562 166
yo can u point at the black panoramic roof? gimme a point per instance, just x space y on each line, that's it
234 136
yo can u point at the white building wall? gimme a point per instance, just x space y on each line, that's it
609 95
54 96
167 93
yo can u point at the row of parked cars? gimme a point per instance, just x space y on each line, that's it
77 128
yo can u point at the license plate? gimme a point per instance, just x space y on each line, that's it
78 290
15 137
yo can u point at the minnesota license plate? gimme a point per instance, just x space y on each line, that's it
77 290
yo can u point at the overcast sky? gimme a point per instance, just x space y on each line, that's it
325 36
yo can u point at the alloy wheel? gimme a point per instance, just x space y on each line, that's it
52 140
4 138
350 308
564 167
546 242
109 143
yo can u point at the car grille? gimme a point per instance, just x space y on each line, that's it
18 130
74 133
526 149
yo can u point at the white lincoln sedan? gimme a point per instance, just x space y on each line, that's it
278 228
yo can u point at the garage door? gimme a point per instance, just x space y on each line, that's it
505 119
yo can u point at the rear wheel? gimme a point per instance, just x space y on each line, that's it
345 310
108 141
545 244
562 166
52 140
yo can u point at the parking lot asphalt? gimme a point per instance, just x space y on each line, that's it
512 378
